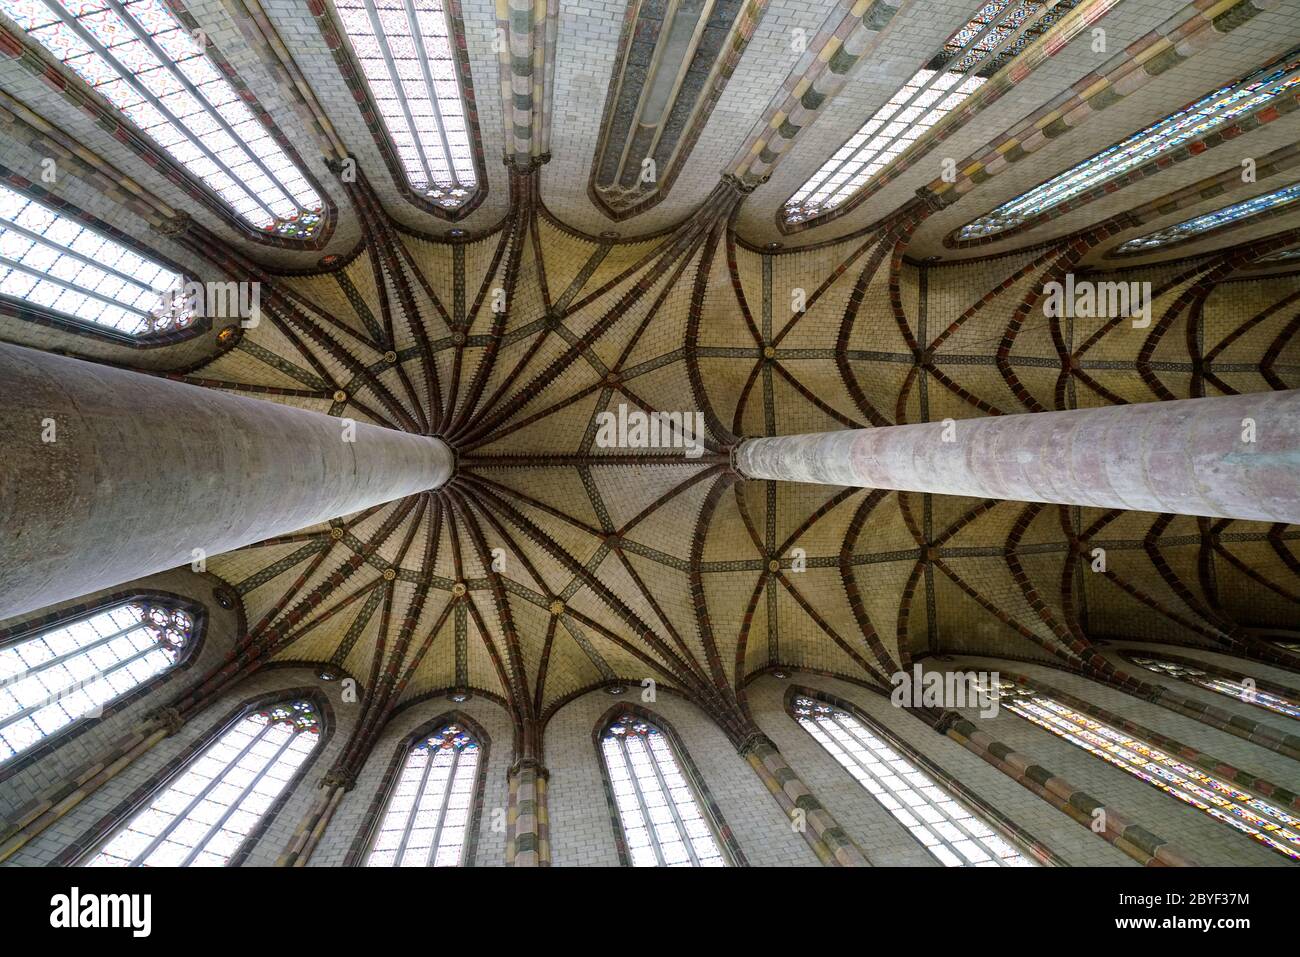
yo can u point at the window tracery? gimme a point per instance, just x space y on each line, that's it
658 808
204 814
996 34
71 670
405 50
1207 114
50 259
140 57
427 818
949 830
1260 819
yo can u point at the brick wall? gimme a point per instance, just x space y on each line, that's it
1202 839
581 828
581 824
79 823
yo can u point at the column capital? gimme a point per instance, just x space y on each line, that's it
733 456
947 720
754 740
175 225
339 778
168 716
528 764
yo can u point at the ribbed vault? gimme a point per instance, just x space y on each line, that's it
550 565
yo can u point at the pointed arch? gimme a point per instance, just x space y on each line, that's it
427 810
1264 820
1248 212
996 33
1231 109
62 267
63 672
406 63
955 826
672 65
179 104
1275 698
212 803
660 808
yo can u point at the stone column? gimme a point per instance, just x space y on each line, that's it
823 833
108 475
528 828
1225 457
336 783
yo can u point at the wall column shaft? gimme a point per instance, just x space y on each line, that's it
528 827
823 833
108 475
51 806
1186 457
1148 849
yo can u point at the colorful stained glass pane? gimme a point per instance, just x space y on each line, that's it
144 61
1251 93
1240 687
1268 823
1191 228
427 818
999 31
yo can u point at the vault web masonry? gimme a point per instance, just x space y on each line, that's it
550 507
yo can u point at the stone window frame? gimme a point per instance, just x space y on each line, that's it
197 611
337 41
1214 670
365 837
1200 761
1014 833
89 841
26 311
34 57
713 814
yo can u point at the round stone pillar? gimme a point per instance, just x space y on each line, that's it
108 475
1224 457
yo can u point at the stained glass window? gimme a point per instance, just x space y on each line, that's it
658 808
405 51
144 61
1262 820
71 670
203 816
50 259
1206 115
427 818
1241 688
997 32
1190 228
949 830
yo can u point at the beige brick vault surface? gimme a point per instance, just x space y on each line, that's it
567 570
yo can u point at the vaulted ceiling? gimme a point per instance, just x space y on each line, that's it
552 565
